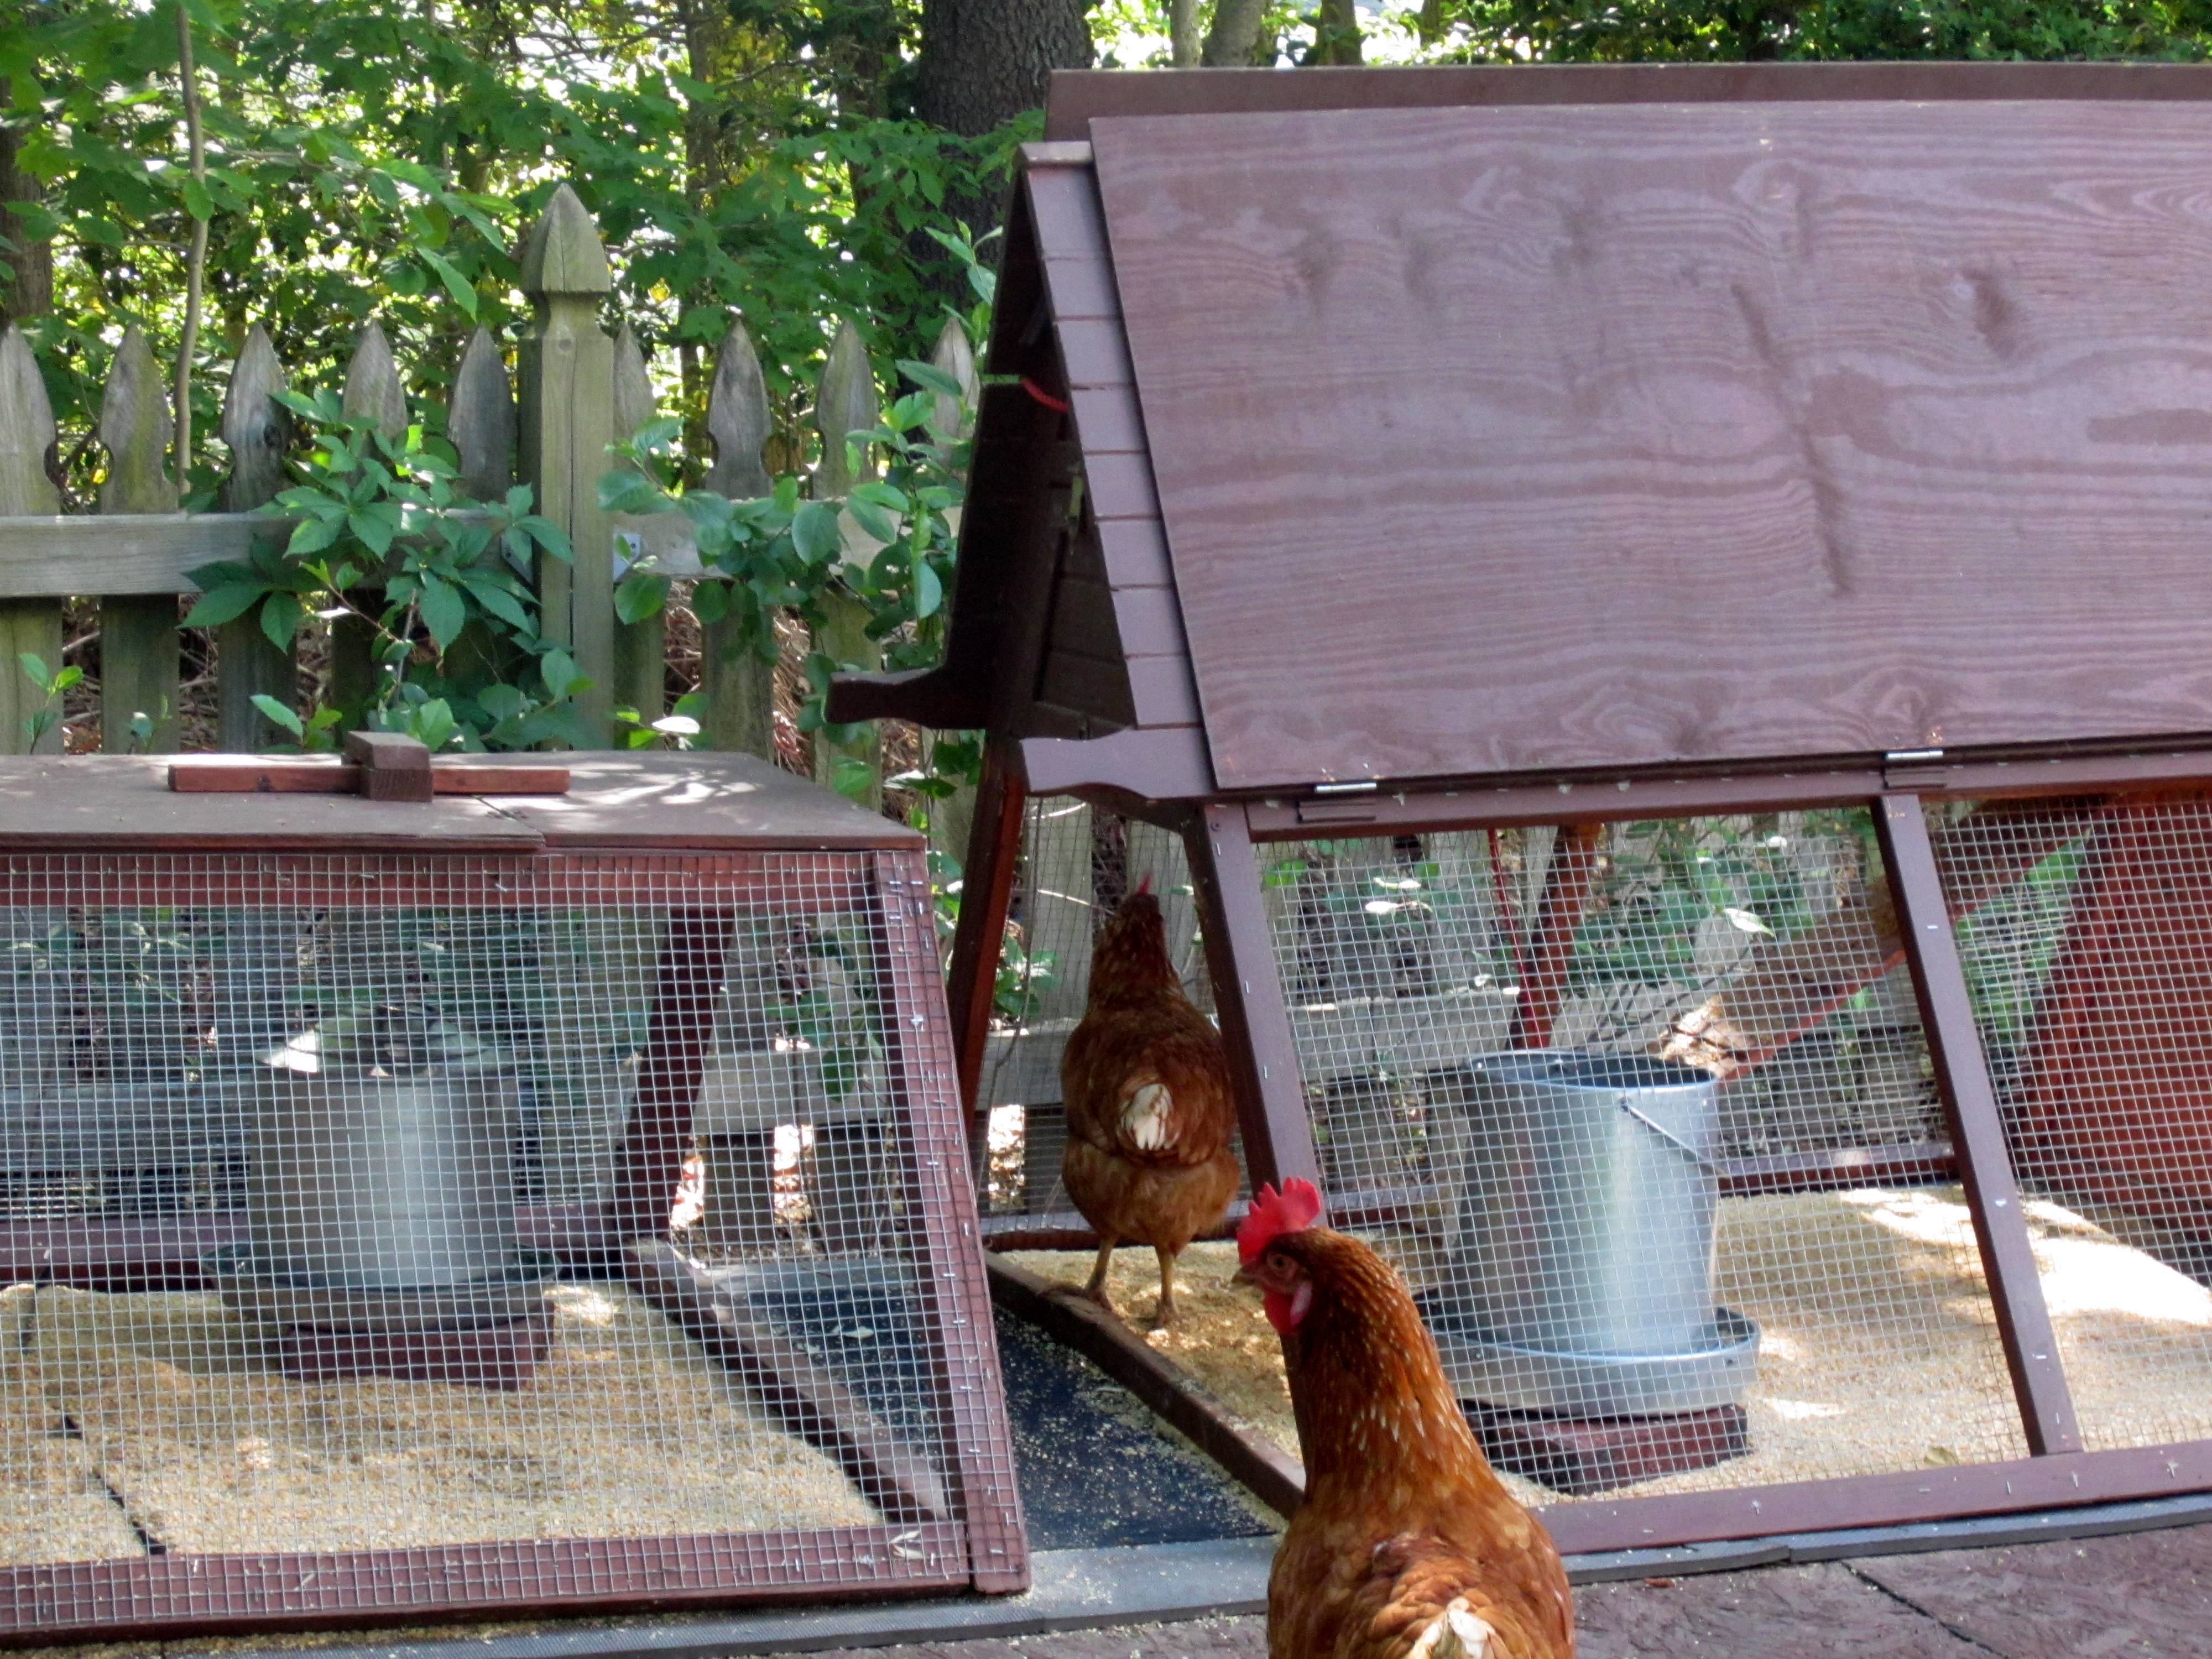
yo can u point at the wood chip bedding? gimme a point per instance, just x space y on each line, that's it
1878 1349
627 1430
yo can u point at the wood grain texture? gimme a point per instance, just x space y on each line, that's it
1686 434
257 430
138 639
27 432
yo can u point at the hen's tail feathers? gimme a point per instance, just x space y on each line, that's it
1457 1632
1145 1115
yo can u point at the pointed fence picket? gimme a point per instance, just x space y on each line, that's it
577 390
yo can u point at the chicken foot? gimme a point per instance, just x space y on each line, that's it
1096 1289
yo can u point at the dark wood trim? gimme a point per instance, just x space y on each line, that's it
1899 1499
695 944
92 1254
1078 97
953 695
806 1399
310 776
950 1283
1272 1475
1153 763
986 892
239 1594
1256 1024
1962 1077
1787 787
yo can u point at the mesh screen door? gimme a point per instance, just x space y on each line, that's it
385 1234
1716 1235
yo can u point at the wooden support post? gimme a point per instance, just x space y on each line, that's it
1552 942
694 946
1962 1075
27 432
738 682
567 421
138 639
373 392
256 429
987 891
1247 997
640 647
845 402
918 1050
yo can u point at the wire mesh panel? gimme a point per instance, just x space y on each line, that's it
1076 864
2090 968
440 1208
1644 1114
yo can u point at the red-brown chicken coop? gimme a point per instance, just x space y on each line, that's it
1658 619
355 1264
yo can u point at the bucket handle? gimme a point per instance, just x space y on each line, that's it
1668 1136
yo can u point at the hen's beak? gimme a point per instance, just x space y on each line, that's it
1245 1279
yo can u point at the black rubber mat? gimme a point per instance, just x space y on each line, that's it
1095 1470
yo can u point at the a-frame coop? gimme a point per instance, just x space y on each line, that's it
1700 573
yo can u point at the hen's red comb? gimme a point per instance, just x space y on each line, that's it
1294 1209
1144 884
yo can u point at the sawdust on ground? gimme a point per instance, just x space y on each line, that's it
163 1401
1877 1347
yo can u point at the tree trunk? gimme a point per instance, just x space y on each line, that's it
27 267
1336 33
983 62
1182 33
1233 42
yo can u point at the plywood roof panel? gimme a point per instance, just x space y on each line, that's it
1542 438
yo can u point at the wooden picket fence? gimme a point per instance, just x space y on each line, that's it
580 389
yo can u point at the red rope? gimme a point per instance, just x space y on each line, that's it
1059 405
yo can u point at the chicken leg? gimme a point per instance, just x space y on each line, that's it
1096 1289
1164 1316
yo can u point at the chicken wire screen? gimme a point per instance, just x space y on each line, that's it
2090 968
1718 1200
1076 864
370 1204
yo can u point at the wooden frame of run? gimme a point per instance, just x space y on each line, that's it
967 1532
1165 603
2058 1473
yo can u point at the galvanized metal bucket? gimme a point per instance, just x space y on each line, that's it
1586 1232
385 1182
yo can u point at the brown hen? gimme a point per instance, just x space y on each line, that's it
1407 1546
1149 1114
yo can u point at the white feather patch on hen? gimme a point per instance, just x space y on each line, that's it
1145 1116
1457 1632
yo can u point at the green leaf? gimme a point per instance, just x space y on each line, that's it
852 777
639 595
928 590
314 535
197 202
373 529
878 524
277 714
443 612
35 666
281 616
931 377
224 604
558 670
463 291
499 601
710 601
628 491
814 532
